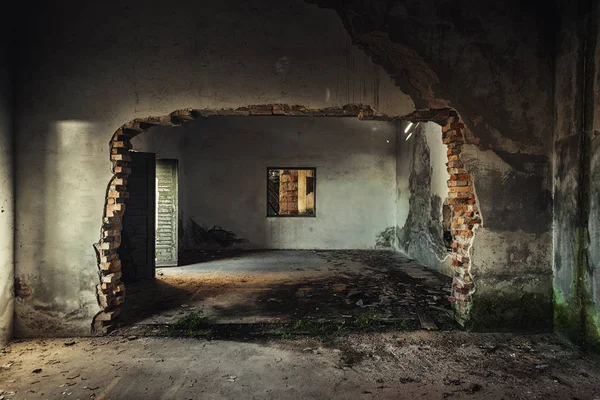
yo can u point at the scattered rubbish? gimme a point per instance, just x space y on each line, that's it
230 378
425 320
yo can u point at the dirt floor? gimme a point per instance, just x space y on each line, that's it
391 365
296 325
294 287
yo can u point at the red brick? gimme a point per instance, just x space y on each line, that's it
460 188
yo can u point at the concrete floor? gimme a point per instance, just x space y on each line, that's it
420 364
283 287
145 359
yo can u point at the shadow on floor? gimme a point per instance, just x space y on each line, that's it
386 288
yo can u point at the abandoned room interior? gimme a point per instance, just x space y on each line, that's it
357 199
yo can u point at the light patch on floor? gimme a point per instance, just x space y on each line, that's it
288 286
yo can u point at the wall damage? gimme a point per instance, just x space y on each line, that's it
111 290
492 62
576 183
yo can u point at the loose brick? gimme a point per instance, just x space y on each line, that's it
452 183
461 188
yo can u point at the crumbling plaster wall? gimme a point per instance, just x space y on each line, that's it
6 191
577 174
85 71
492 62
421 179
224 175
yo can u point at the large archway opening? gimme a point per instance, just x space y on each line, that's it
346 287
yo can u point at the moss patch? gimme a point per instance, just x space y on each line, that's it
497 310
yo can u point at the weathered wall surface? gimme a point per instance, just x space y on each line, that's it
223 173
492 62
421 179
6 190
577 175
112 62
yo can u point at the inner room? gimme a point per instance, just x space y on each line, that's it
289 221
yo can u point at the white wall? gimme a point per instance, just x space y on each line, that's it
223 176
422 189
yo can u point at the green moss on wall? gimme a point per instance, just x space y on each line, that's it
510 310
578 317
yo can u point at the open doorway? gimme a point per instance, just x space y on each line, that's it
149 237
238 266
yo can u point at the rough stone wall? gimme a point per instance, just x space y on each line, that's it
492 62
577 174
6 189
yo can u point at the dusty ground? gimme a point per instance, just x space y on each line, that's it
288 287
296 325
426 365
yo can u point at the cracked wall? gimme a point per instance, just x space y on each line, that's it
577 175
114 62
493 63
422 189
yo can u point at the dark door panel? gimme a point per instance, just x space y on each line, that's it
137 239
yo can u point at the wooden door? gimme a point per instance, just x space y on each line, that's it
137 238
167 223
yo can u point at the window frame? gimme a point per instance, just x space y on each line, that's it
314 215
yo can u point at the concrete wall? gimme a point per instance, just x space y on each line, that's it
577 175
86 71
223 175
492 62
112 62
6 191
421 178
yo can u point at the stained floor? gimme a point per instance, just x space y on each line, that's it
405 365
374 290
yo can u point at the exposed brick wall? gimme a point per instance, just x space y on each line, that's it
110 290
465 216
461 196
462 201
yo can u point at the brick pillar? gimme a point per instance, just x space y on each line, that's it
465 217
